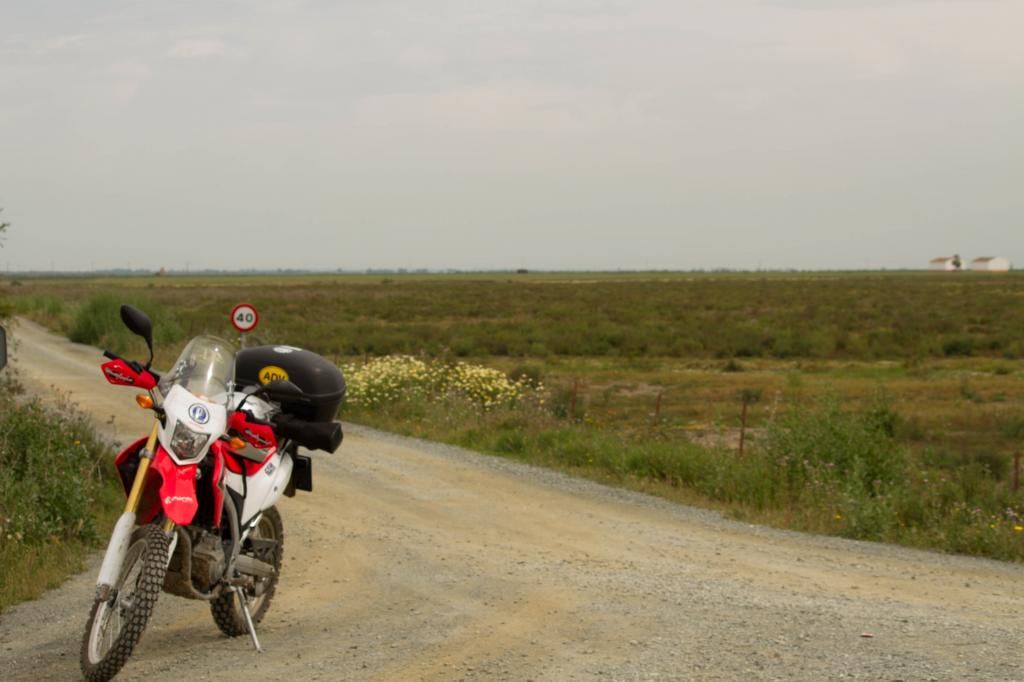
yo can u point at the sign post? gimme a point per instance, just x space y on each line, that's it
244 318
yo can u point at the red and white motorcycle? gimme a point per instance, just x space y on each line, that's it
200 521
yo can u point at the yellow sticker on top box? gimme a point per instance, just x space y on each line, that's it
272 373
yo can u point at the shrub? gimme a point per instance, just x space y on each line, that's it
98 323
854 452
530 374
402 378
732 366
50 474
568 402
1011 425
50 306
958 346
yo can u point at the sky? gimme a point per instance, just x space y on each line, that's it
563 134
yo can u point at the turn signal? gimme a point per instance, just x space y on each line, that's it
237 443
144 401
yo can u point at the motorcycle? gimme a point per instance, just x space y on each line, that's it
201 520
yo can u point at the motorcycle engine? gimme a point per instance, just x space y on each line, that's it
207 562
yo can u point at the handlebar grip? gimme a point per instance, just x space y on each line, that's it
110 356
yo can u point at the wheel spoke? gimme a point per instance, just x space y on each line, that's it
110 633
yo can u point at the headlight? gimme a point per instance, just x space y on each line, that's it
186 443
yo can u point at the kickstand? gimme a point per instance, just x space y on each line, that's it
240 593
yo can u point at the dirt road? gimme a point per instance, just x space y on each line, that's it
412 560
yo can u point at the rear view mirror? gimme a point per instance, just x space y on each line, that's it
3 348
138 323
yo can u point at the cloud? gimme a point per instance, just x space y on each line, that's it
496 106
418 58
203 48
126 79
58 43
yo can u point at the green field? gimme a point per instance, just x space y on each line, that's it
942 347
830 316
644 376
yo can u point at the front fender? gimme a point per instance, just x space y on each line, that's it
177 487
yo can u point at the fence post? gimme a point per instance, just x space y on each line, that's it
746 396
1016 471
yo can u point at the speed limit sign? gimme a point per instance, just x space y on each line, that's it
244 317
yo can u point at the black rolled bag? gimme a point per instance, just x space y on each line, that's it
324 436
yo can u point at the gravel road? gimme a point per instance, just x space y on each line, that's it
417 561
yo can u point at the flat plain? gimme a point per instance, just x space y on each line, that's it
649 360
944 347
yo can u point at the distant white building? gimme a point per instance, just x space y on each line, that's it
945 263
990 264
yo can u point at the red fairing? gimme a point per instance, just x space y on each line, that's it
217 451
178 490
169 487
155 493
119 373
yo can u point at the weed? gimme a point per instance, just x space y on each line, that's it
531 375
54 481
963 345
98 322
967 391
851 464
732 366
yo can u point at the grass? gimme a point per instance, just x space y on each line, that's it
31 570
856 317
645 374
57 495
817 466
823 470
664 334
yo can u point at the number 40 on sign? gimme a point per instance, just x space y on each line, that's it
244 317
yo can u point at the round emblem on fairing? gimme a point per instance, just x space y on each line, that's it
198 413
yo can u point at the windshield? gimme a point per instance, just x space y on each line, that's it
204 368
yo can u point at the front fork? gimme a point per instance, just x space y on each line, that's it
110 570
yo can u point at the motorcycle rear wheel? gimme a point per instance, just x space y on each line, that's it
226 611
116 623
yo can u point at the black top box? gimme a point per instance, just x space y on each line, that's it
322 384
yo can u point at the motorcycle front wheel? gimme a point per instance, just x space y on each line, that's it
117 622
226 612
